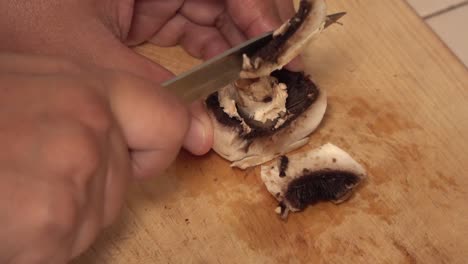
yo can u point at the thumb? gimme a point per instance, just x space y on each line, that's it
155 124
199 137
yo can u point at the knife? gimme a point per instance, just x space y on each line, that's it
222 69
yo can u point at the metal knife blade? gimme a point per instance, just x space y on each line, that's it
222 69
216 72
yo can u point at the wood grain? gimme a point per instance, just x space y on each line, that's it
398 104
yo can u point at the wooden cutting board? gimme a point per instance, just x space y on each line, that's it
398 103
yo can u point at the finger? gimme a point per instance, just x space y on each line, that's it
203 42
119 57
228 28
203 12
254 17
140 31
118 174
154 123
36 64
91 220
148 18
171 33
106 193
212 13
108 52
285 9
199 41
200 123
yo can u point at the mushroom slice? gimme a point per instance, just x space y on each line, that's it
326 173
292 109
269 112
288 40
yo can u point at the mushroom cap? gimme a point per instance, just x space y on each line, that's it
247 153
309 29
321 161
288 41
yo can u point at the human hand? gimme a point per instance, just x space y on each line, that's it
96 30
72 136
62 149
205 27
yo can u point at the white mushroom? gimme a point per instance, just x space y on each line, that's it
269 112
289 40
326 173
244 152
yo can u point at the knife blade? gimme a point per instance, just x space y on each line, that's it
223 68
216 72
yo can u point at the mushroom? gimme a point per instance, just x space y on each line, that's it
326 173
270 111
288 40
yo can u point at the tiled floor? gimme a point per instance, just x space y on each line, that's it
449 19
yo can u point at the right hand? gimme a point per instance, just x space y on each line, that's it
71 138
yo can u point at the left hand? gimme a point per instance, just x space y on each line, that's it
99 31
205 27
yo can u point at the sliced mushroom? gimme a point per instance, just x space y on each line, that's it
269 112
247 142
288 40
326 173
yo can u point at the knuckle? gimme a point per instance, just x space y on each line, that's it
76 154
93 111
252 24
57 214
97 117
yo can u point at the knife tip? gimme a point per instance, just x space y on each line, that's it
333 18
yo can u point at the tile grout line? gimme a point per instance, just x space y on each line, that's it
445 10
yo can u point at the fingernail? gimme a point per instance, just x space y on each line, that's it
195 140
